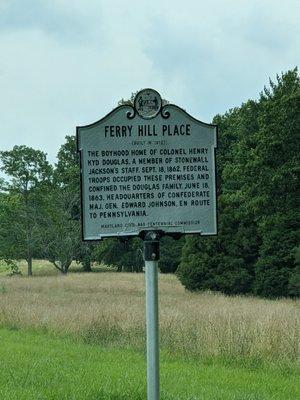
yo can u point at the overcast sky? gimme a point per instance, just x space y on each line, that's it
65 63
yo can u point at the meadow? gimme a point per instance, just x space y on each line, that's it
249 344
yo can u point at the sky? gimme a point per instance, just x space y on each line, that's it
67 63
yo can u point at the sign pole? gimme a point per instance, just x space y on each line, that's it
148 164
151 251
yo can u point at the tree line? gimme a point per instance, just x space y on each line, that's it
257 247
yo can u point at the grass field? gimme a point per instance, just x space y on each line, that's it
40 366
85 334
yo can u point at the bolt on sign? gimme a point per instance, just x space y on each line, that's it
147 166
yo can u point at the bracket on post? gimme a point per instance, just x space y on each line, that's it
151 245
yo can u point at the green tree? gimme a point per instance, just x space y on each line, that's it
294 282
125 255
11 247
60 236
225 262
67 178
170 254
257 161
276 165
30 174
61 213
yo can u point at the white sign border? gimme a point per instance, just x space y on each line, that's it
131 113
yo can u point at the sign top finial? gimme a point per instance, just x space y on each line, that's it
147 103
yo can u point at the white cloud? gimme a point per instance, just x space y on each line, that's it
68 63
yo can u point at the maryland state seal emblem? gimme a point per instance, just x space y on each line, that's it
147 103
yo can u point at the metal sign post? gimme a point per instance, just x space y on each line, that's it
148 169
151 251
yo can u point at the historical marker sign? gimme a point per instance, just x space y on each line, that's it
147 167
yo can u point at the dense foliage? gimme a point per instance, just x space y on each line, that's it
258 159
256 249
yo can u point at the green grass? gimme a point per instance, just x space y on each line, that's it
40 366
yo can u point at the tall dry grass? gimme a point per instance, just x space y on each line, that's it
109 308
